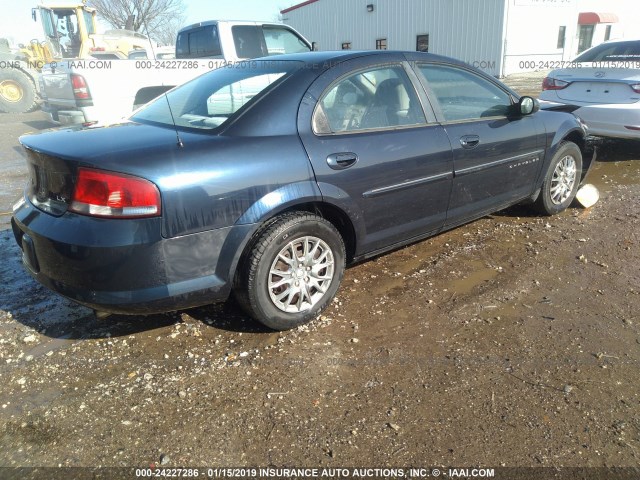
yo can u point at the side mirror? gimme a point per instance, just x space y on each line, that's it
528 105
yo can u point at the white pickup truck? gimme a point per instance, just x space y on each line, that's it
107 90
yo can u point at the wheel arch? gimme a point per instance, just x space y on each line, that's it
33 76
587 149
575 134
332 213
552 200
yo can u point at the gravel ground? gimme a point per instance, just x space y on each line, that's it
511 341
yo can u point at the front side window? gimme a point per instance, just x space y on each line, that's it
282 40
248 41
253 41
208 101
464 95
379 98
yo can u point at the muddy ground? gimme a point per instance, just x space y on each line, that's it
511 341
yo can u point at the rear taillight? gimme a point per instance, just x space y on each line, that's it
550 83
636 87
115 195
80 89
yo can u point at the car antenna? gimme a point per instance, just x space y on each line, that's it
180 144
146 29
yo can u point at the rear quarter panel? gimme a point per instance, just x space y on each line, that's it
233 180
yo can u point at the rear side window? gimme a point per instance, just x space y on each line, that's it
199 43
464 95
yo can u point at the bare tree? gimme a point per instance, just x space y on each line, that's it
167 31
160 19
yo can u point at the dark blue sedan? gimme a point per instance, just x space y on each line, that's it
267 178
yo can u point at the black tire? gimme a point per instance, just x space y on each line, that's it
17 92
291 232
559 187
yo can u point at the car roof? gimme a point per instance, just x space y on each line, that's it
332 56
621 40
207 23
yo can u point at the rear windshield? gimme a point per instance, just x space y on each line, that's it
612 52
208 101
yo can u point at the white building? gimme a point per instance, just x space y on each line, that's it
498 36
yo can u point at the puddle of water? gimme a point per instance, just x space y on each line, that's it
34 399
386 284
605 174
51 346
480 274
406 261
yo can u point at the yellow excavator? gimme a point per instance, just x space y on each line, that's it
70 32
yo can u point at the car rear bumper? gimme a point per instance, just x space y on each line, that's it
124 266
65 115
618 121
606 120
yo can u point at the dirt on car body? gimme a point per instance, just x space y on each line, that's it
511 341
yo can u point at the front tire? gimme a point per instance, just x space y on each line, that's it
292 272
561 181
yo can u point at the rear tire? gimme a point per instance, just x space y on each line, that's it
561 181
17 92
292 271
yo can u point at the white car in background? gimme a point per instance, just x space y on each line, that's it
604 82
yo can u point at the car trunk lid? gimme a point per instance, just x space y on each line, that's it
599 85
130 148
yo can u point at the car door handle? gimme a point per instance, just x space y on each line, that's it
470 141
340 161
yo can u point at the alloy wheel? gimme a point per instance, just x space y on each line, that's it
301 274
563 180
